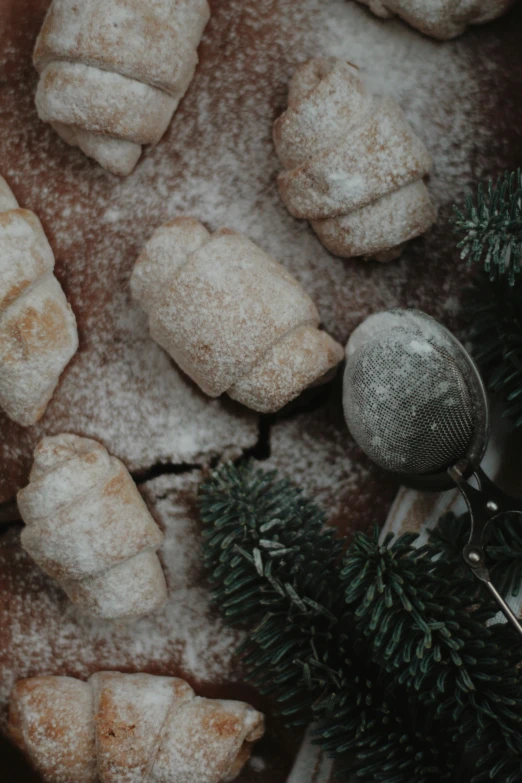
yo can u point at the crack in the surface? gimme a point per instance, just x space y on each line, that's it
9 514
309 401
261 449
163 469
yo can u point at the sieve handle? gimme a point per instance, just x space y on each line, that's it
496 495
506 609
485 504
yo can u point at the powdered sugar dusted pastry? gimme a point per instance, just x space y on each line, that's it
118 728
354 167
88 527
112 72
231 316
38 335
440 18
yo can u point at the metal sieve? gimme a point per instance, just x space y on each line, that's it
415 403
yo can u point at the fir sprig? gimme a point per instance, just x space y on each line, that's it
397 672
428 628
270 557
490 226
490 231
494 311
276 569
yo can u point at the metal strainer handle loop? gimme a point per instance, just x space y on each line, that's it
487 504
504 607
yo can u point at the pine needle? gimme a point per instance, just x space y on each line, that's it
490 227
494 309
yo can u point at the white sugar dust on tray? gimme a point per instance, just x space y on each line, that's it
217 162
43 633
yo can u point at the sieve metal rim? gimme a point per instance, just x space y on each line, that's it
470 461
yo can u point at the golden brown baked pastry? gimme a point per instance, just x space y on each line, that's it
354 167
118 728
231 316
38 335
88 527
441 19
112 72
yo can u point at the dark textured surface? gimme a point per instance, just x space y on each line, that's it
427 273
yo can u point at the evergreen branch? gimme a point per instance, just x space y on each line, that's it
492 762
385 733
506 769
274 565
423 627
302 648
403 675
491 226
494 309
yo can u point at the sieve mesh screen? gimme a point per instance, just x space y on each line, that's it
407 403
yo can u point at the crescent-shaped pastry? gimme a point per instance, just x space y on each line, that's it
123 728
38 335
441 19
88 527
354 166
231 316
112 72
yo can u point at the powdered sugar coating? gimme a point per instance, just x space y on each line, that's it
382 228
88 527
354 167
43 633
51 720
128 728
112 72
440 18
217 162
131 713
38 335
207 741
230 315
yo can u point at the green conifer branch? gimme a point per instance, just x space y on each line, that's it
494 310
490 231
379 734
272 562
396 673
276 569
428 627
490 226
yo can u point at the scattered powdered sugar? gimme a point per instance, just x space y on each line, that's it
438 17
217 162
316 451
43 633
